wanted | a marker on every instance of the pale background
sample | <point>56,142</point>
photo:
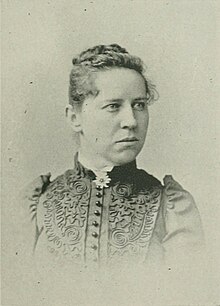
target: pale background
<point>179,42</point>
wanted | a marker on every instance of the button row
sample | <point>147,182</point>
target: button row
<point>97,213</point>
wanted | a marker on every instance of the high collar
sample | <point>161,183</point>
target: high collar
<point>118,173</point>
<point>89,164</point>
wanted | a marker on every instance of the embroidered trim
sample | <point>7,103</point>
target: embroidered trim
<point>131,221</point>
<point>66,209</point>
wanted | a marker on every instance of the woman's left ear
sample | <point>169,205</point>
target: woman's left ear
<point>73,118</point>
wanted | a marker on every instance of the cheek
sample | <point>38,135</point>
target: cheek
<point>96,132</point>
<point>143,124</point>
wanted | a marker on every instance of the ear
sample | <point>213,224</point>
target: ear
<point>73,118</point>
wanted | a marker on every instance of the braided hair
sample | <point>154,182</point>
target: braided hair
<point>99,58</point>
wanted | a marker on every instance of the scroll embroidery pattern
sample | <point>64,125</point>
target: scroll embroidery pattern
<point>66,209</point>
<point>131,221</point>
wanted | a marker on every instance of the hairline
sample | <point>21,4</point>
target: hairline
<point>92,71</point>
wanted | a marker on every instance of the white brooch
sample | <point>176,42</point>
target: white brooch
<point>102,179</point>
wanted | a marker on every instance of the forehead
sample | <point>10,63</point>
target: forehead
<point>120,83</point>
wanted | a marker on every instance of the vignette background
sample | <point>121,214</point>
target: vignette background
<point>178,42</point>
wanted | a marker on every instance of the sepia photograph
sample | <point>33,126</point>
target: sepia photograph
<point>110,153</point>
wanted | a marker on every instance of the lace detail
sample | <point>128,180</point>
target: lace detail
<point>131,221</point>
<point>65,217</point>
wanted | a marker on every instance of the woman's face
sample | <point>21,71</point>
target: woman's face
<point>113,125</point>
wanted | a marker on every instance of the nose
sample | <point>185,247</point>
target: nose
<point>128,119</point>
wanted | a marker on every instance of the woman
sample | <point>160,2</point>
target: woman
<point>105,210</point>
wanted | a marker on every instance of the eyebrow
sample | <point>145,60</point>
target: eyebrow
<point>113,100</point>
<point>140,99</point>
<point>121,100</point>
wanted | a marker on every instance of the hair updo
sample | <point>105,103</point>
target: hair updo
<point>101,58</point>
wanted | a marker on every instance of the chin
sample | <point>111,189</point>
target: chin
<point>124,157</point>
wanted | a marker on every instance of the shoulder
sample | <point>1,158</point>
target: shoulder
<point>60,183</point>
<point>181,215</point>
<point>50,194</point>
<point>31,194</point>
<point>145,179</point>
<point>172,192</point>
<point>177,206</point>
<point>175,196</point>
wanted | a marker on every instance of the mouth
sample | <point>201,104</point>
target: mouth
<point>128,140</point>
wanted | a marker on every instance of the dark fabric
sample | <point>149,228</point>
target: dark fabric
<point>128,173</point>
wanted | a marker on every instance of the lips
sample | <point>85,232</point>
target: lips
<point>128,139</point>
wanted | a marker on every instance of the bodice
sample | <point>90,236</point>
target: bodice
<point>81,222</point>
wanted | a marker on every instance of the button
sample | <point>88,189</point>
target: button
<point>97,213</point>
<point>98,187</point>
<point>98,194</point>
<point>94,247</point>
<point>94,234</point>
<point>95,223</point>
<point>98,203</point>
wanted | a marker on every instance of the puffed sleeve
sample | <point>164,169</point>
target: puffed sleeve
<point>183,239</point>
<point>29,198</point>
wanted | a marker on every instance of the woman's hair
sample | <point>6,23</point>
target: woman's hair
<point>100,58</point>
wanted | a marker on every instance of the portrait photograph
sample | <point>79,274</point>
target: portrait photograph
<point>110,153</point>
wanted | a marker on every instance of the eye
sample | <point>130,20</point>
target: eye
<point>112,107</point>
<point>139,106</point>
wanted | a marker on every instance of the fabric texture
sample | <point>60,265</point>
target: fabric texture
<point>135,219</point>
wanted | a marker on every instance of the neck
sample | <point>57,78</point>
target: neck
<point>95,162</point>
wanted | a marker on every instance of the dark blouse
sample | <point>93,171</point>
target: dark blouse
<point>136,219</point>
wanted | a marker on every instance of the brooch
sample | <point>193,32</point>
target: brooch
<point>102,179</point>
